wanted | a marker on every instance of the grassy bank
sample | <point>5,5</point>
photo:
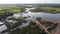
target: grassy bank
<point>6,11</point>
<point>47,9</point>
<point>9,9</point>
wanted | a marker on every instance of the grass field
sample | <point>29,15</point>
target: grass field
<point>47,9</point>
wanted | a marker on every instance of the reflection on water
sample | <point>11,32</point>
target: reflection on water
<point>48,16</point>
<point>3,27</point>
<point>24,24</point>
<point>6,33</point>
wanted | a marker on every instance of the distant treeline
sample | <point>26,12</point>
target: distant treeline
<point>32,5</point>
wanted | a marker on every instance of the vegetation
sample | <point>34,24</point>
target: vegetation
<point>18,23</point>
<point>47,9</point>
<point>31,29</point>
<point>8,11</point>
<point>49,25</point>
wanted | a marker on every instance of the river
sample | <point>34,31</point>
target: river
<point>44,15</point>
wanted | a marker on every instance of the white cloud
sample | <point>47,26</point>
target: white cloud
<point>28,1</point>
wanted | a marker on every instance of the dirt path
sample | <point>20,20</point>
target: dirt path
<point>41,26</point>
<point>58,30</point>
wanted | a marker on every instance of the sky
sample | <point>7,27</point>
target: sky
<point>28,1</point>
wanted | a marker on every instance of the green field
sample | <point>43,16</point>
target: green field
<point>47,9</point>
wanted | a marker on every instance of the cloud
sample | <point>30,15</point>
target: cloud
<point>27,1</point>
